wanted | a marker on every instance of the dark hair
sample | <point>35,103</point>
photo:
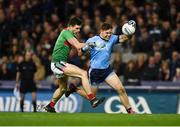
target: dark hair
<point>74,21</point>
<point>106,26</point>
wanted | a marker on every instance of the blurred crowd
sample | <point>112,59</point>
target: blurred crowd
<point>153,53</point>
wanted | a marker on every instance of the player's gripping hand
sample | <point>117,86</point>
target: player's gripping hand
<point>98,44</point>
<point>90,45</point>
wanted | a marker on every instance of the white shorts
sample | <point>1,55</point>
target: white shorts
<point>58,68</point>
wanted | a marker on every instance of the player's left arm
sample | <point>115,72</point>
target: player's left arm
<point>128,30</point>
<point>124,38</point>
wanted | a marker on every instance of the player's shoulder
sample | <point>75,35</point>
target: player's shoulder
<point>93,38</point>
<point>65,31</point>
<point>114,36</point>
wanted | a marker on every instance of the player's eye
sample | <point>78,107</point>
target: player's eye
<point>108,32</point>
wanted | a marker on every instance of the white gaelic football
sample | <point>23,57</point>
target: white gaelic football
<point>129,28</point>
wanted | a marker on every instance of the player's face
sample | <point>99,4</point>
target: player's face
<point>106,34</point>
<point>76,29</point>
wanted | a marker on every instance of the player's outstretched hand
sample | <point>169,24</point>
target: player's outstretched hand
<point>123,38</point>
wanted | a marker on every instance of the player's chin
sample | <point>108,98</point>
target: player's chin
<point>76,32</point>
<point>107,38</point>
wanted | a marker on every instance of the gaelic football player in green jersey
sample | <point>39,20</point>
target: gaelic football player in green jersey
<point>65,42</point>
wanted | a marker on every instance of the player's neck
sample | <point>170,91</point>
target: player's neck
<point>70,29</point>
<point>103,38</point>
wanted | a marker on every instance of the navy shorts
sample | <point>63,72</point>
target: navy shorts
<point>99,75</point>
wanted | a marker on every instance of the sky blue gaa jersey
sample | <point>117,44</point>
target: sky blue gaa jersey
<point>100,57</point>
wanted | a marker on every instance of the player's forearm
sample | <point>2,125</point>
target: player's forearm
<point>80,46</point>
<point>75,43</point>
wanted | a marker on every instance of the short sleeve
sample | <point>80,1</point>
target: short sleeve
<point>115,39</point>
<point>67,34</point>
<point>88,41</point>
<point>93,39</point>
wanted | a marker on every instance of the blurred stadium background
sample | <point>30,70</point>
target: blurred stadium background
<point>148,65</point>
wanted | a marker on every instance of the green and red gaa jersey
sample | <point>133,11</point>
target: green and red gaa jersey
<point>62,47</point>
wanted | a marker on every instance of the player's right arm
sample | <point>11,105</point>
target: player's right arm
<point>68,35</point>
<point>75,43</point>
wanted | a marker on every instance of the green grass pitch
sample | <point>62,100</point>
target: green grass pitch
<point>87,119</point>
